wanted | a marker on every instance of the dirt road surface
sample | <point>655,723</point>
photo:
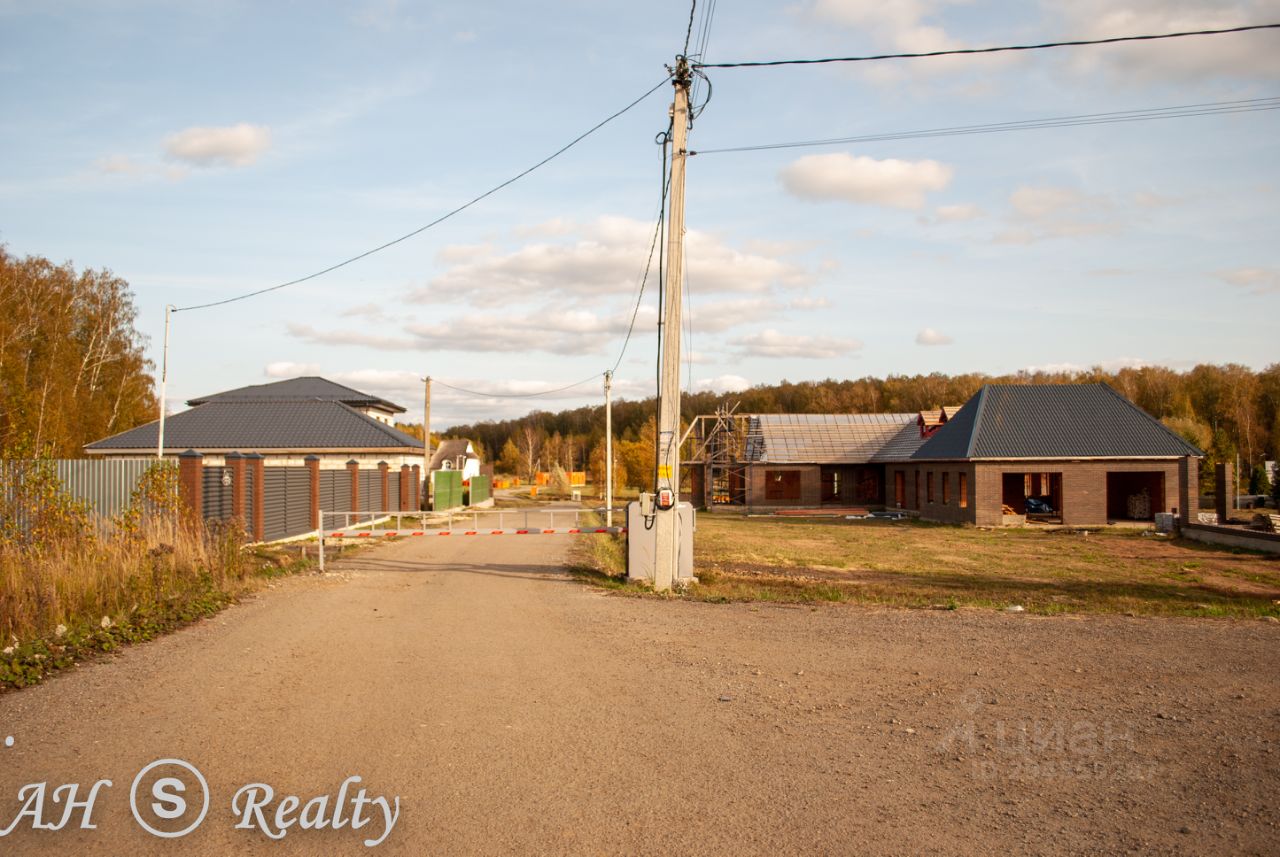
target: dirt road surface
<point>514,711</point>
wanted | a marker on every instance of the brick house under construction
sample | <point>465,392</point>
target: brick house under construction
<point>1069,454</point>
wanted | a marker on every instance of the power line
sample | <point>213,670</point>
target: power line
<point>657,231</point>
<point>963,51</point>
<point>689,30</point>
<point>438,220</point>
<point>1212,108</point>
<point>481,395</point>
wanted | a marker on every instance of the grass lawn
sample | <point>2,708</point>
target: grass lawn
<point>912,564</point>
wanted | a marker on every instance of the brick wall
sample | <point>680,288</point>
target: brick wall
<point>1084,487</point>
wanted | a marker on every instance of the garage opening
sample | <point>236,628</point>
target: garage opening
<point>1036,495</point>
<point>1135,496</point>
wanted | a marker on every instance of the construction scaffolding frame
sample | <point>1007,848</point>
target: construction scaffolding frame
<point>721,450</point>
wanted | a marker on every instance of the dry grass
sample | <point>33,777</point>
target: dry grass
<point>70,586</point>
<point>921,565</point>
<point>926,565</point>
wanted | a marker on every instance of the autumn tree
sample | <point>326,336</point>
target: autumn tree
<point>72,367</point>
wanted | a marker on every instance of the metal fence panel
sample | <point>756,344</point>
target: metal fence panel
<point>370,491</point>
<point>275,489</point>
<point>479,490</point>
<point>298,510</point>
<point>330,498</point>
<point>393,490</point>
<point>446,486</point>
<point>105,486</point>
<point>217,503</point>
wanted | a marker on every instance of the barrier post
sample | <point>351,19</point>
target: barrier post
<point>320,536</point>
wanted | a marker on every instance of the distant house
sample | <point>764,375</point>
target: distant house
<point>284,421</point>
<point>457,454</point>
<point>1074,454</point>
<point>1078,454</point>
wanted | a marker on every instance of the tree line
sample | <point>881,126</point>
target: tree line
<point>1225,410</point>
<point>72,366</point>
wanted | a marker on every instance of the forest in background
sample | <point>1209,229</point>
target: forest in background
<point>72,366</point>
<point>1224,410</point>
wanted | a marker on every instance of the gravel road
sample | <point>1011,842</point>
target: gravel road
<point>514,711</point>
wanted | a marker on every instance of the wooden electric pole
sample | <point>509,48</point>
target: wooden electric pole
<point>666,506</point>
<point>608,448</point>
<point>426,443</point>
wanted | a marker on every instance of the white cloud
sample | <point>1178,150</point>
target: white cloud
<point>1112,365</point>
<point>929,336</point>
<point>1193,60</point>
<point>952,214</point>
<point>844,177</point>
<point>809,303</point>
<point>230,146</point>
<point>722,384</point>
<point>309,334</point>
<point>771,343</point>
<point>1043,212</point>
<point>288,369</point>
<point>1259,281</point>
<point>596,261</point>
<point>371,311</point>
<point>119,165</point>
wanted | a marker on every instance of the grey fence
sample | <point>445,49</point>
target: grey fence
<point>370,491</point>
<point>104,486</point>
<point>286,502</point>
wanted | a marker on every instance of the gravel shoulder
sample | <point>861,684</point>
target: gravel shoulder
<point>513,710</point>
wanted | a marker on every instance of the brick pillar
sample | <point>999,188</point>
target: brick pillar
<point>1223,491</point>
<point>417,487</point>
<point>191,482</point>
<point>383,468</point>
<point>353,467</point>
<point>313,470</point>
<point>405,476</point>
<point>255,463</point>
<point>235,463</point>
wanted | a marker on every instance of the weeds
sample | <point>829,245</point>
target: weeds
<point>71,586</point>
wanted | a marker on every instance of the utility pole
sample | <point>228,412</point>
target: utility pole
<point>608,448</point>
<point>164,378</point>
<point>426,443</point>
<point>666,508</point>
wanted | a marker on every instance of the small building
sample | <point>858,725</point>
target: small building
<point>285,422</point>
<point>1075,454</point>
<point>457,454</point>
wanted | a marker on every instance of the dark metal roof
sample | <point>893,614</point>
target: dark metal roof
<point>1052,421</point>
<point>250,426</point>
<point>310,388</point>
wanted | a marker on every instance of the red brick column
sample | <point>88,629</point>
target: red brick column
<point>235,463</point>
<point>353,467</point>
<point>313,469</point>
<point>383,468</point>
<point>257,463</point>
<point>191,482</point>
<point>417,487</point>
<point>1224,488</point>
<point>405,476</point>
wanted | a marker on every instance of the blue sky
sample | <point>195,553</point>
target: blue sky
<point>204,150</point>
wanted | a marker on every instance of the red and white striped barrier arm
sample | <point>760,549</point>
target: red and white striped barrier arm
<point>531,531</point>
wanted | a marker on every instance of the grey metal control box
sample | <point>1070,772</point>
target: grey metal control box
<point>642,542</point>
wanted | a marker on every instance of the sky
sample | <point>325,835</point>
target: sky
<point>202,151</point>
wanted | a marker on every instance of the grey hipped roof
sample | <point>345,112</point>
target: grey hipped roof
<point>1052,421</point>
<point>260,426</point>
<point>822,438</point>
<point>309,388</point>
<point>450,450</point>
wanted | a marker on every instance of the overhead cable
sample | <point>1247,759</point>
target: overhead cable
<point>1211,108</point>
<point>965,51</point>
<point>438,220</point>
<point>483,395</point>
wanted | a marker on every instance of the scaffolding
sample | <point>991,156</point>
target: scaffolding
<point>722,451</point>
